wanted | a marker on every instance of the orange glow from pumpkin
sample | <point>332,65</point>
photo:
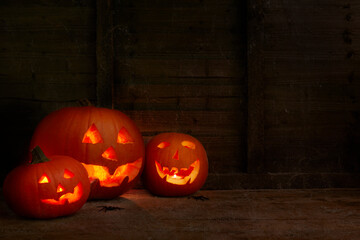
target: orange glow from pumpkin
<point>163,145</point>
<point>60,188</point>
<point>188,144</point>
<point>92,135</point>
<point>176,155</point>
<point>68,174</point>
<point>44,179</point>
<point>110,154</point>
<point>124,136</point>
<point>179,177</point>
<point>101,173</point>
<point>67,197</point>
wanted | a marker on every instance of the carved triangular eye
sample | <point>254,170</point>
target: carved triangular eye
<point>188,144</point>
<point>163,145</point>
<point>68,174</point>
<point>44,179</point>
<point>92,135</point>
<point>124,136</point>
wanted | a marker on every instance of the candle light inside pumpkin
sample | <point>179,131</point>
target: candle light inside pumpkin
<point>175,176</point>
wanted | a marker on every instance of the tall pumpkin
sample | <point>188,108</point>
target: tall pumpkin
<point>106,141</point>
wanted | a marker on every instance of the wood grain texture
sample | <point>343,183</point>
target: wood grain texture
<point>238,214</point>
<point>271,88</point>
<point>181,67</point>
<point>104,54</point>
<point>311,95</point>
<point>256,82</point>
<point>47,61</point>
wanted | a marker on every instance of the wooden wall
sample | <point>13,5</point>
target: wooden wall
<point>271,88</point>
<point>310,88</point>
<point>180,66</point>
<point>47,61</point>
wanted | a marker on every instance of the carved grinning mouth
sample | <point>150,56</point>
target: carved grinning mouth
<point>178,177</point>
<point>130,170</point>
<point>67,197</point>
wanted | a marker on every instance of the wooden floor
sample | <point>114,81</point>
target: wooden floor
<point>240,214</point>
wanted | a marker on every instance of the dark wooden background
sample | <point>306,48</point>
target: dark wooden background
<point>271,88</point>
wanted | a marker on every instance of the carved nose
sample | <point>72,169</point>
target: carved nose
<point>60,188</point>
<point>176,155</point>
<point>109,154</point>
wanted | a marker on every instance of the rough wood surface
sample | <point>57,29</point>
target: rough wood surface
<point>256,84</point>
<point>258,214</point>
<point>312,87</point>
<point>47,61</point>
<point>182,67</point>
<point>104,54</point>
<point>271,88</point>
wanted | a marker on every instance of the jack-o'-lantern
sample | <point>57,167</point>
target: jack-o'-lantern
<point>106,141</point>
<point>47,187</point>
<point>176,165</point>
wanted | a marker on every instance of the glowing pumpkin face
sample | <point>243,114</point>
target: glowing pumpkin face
<point>101,173</point>
<point>47,188</point>
<point>71,195</point>
<point>106,141</point>
<point>176,165</point>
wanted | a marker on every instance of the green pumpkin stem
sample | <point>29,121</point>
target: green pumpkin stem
<point>38,156</point>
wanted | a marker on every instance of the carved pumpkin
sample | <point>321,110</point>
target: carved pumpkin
<point>48,187</point>
<point>106,141</point>
<point>176,165</point>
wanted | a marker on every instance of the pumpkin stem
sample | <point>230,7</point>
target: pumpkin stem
<point>38,156</point>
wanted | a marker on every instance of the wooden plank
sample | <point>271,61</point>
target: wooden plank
<point>159,4</point>
<point>312,91</point>
<point>47,43</point>
<point>39,18</point>
<point>104,54</point>
<point>191,122</point>
<point>178,16</point>
<point>183,80</point>
<point>50,3</point>
<point>212,42</point>
<point>177,103</point>
<point>294,71</point>
<point>340,98</point>
<point>283,118</point>
<point>48,92</point>
<point>47,61</point>
<point>230,181</point>
<point>177,91</point>
<point>181,67</point>
<point>292,214</point>
<point>255,30</point>
<point>160,67</point>
<point>15,66</point>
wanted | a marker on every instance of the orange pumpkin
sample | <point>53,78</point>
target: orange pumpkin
<point>106,141</point>
<point>176,165</point>
<point>47,188</point>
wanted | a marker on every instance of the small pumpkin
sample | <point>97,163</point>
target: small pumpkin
<point>47,187</point>
<point>176,165</point>
<point>106,141</point>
